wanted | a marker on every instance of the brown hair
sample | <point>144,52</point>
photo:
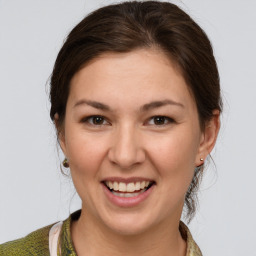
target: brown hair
<point>132,25</point>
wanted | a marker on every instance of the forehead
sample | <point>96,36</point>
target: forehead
<point>134,76</point>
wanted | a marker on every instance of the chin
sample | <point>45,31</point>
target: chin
<point>129,225</point>
<point>129,230</point>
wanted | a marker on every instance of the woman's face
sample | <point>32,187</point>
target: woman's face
<point>133,139</point>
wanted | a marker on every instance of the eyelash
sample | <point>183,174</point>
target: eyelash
<point>167,120</point>
<point>87,120</point>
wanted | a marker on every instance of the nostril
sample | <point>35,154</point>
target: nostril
<point>123,166</point>
<point>126,158</point>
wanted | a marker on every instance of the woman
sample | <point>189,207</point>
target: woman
<point>136,102</point>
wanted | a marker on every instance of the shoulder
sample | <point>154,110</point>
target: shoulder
<point>36,243</point>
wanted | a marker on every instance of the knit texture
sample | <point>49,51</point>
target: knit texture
<point>37,242</point>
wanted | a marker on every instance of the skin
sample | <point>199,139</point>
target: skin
<point>128,142</point>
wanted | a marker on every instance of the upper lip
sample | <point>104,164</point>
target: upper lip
<point>127,180</point>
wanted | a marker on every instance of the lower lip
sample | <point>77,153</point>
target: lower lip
<point>127,201</point>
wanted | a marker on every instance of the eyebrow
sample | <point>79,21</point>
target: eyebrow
<point>157,104</point>
<point>146,107</point>
<point>94,104</point>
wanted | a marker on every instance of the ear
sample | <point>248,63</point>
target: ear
<point>208,138</point>
<point>60,133</point>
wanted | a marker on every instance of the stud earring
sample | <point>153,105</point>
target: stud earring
<point>201,159</point>
<point>65,163</point>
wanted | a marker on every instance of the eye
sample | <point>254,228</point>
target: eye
<point>160,120</point>
<point>95,120</point>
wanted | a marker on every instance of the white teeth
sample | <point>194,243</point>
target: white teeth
<point>122,187</point>
<point>128,194</point>
<point>129,187</point>
<point>110,185</point>
<point>116,186</point>
<point>137,185</point>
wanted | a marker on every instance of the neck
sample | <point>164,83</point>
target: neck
<point>165,239</point>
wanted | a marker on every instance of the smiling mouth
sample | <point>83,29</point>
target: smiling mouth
<point>131,189</point>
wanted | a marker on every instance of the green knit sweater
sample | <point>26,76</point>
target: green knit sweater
<point>37,242</point>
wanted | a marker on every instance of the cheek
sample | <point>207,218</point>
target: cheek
<point>173,151</point>
<point>85,155</point>
<point>174,159</point>
<point>85,152</point>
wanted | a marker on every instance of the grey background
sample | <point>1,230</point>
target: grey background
<point>33,193</point>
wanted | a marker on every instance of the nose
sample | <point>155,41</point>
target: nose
<point>126,149</point>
